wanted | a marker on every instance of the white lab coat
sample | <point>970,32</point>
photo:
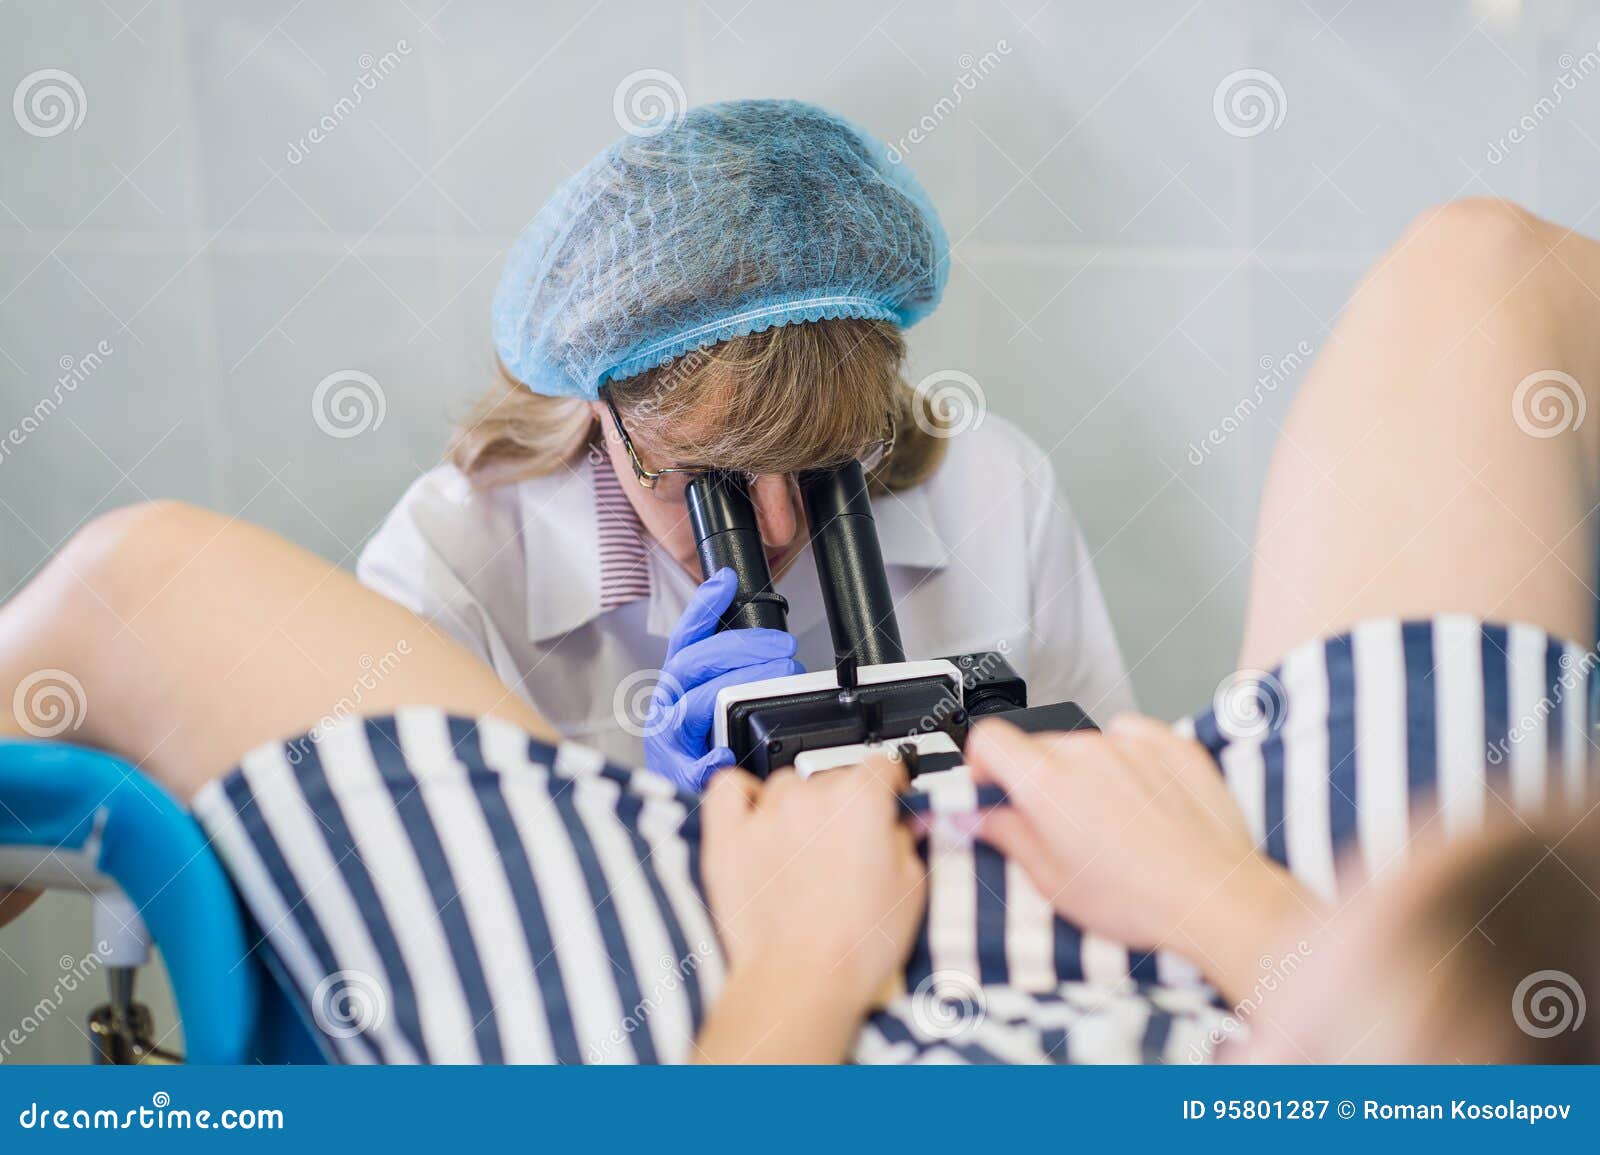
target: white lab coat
<point>986,555</point>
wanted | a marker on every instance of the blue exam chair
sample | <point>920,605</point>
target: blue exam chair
<point>78,819</point>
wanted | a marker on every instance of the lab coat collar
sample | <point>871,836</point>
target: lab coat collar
<point>560,552</point>
<point>563,580</point>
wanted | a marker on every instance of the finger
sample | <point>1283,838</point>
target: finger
<point>877,781</point>
<point>1074,750</point>
<point>779,784</point>
<point>1143,764</point>
<point>725,652</point>
<point>1009,831</point>
<point>698,706</point>
<point>915,870</point>
<point>998,752</point>
<point>700,616</point>
<point>1181,772</point>
<point>1159,753</point>
<point>890,774</point>
<point>1135,723</point>
<point>730,796</point>
<point>1067,742</point>
<point>1155,734</point>
<point>705,768</point>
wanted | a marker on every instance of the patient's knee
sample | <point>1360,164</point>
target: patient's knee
<point>1476,268</point>
<point>1487,241</point>
<point>131,534</point>
<point>1471,219</point>
<point>119,560</point>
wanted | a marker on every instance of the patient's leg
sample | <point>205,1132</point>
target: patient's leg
<point>1407,481</point>
<point>195,637</point>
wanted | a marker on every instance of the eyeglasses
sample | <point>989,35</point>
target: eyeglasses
<point>670,483</point>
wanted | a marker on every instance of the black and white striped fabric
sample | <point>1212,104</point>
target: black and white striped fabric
<point>1367,737</point>
<point>443,889</point>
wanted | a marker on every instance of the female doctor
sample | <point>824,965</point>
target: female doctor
<point>727,291</point>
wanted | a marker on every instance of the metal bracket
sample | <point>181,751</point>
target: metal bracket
<point>122,1032</point>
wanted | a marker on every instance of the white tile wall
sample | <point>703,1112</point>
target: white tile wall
<point>1122,263</point>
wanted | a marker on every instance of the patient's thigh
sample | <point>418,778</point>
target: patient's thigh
<point>1416,474</point>
<point>196,637</point>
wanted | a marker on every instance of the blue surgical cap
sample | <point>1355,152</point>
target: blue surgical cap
<point>737,218</point>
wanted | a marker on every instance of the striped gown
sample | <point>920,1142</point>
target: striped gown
<point>443,889</point>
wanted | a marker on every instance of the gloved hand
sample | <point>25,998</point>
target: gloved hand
<point>700,662</point>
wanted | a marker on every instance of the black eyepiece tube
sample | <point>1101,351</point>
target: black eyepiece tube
<point>726,537</point>
<point>855,588</point>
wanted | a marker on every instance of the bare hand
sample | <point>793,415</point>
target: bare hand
<point>1132,833</point>
<point>817,877</point>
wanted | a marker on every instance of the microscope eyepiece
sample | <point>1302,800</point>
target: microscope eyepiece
<point>844,544</point>
<point>727,537</point>
<point>855,587</point>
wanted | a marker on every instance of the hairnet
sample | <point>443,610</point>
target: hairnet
<point>737,218</point>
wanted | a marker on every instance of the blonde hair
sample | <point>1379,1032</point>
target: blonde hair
<point>786,399</point>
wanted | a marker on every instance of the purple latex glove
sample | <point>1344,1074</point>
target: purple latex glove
<point>700,662</point>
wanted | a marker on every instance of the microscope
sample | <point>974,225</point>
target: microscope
<point>873,700</point>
